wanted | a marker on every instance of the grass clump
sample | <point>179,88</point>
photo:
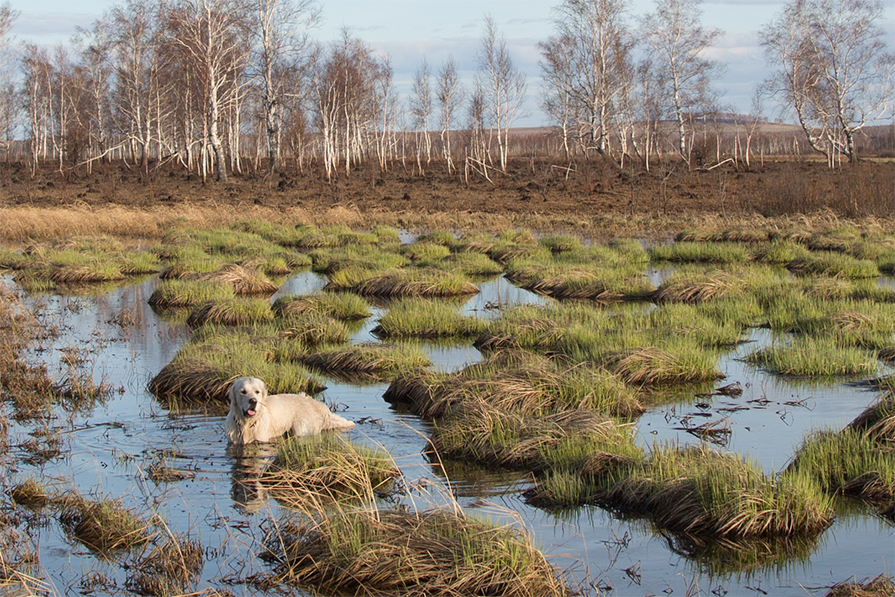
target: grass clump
<point>30,493</point>
<point>415,318</point>
<point>244,281</point>
<point>880,586</point>
<point>310,473</point>
<point>814,357</point>
<point>698,491</point>
<point>858,461</point>
<point>309,330</point>
<point>479,432</point>
<point>367,361</point>
<point>518,382</point>
<point>426,282</point>
<point>561,243</point>
<point>234,311</point>
<point>103,525</point>
<point>698,252</point>
<point>169,568</point>
<point>338,305</point>
<point>177,294</point>
<point>690,287</point>
<point>436,552</point>
<point>835,265</point>
<point>203,370</point>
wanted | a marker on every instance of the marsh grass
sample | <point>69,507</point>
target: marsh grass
<point>652,366</point>
<point>476,265</point>
<point>436,553</point>
<point>338,305</point>
<point>244,281</point>
<point>426,282</point>
<point>169,568</point>
<point>847,462</point>
<point>424,251</point>
<point>835,265</point>
<point>416,318</point>
<point>30,493</point>
<point>231,312</point>
<point>701,492</point>
<point>352,259</point>
<point>808,356</point>
<point>780,252</point>
<point>881,586</point>
<point>178,294</point>
<point>699,252</point>
<point>561,243</point>
<point>690,287</point>
<point>479,432</point>
<point>309,474</point>
<point>515,381</point>
<point>368,361</point>
<point>103,525</point>
<point>308,330</point>
<point>204,369</point>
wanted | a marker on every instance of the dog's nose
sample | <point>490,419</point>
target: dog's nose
<point>253,403</point>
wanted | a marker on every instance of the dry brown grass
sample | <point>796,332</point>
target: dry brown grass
<point>881,586</point>
<point>191,381</point>
<point>696,289</point>
<point>244,281</point>
<point>168,569</point>
<point>103,525</point>
<point>431,553</point>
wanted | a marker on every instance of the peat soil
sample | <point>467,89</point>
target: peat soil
<point>583,189</point>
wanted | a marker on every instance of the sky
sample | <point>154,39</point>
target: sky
<point>410,30</point>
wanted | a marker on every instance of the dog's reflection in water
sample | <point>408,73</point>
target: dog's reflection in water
<point>249,462</point>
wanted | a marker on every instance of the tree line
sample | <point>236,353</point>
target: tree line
<point>213,84</point>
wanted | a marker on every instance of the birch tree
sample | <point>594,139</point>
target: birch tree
<point>280,51</point>
<point>213,34</point>
<point>8,104</point>
<point>449,94</point>
<point>834,69</point>
<point>502,84</point>
<point>677,41</point>
<point>420,112</point>
<point>590,55</point>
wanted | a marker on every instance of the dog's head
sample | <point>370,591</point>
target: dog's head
<point>247,395</point>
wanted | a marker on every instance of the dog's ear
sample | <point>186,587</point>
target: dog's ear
<point>232,392</point>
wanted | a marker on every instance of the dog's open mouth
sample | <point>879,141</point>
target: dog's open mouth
<point>250,412</point>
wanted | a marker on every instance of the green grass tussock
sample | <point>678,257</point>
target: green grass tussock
<point>416,318</point>
<point>368,361</point>
<point>814,357</point>
<point>338,305</point>
<point>435,553</point>
<point>425,282</point>
<point>232,312</point>
<point>697,252</point>
<point>310,473</point>
<point>178,294</point>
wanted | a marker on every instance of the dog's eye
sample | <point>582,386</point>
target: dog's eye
<point>243,391</point>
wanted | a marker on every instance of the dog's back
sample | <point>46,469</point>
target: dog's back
<point>305,415</point>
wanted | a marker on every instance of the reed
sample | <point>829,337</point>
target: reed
<point>836,265</point>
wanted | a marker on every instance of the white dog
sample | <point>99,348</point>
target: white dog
<point>256,417</point>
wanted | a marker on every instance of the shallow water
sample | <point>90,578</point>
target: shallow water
<point>110,449</point>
